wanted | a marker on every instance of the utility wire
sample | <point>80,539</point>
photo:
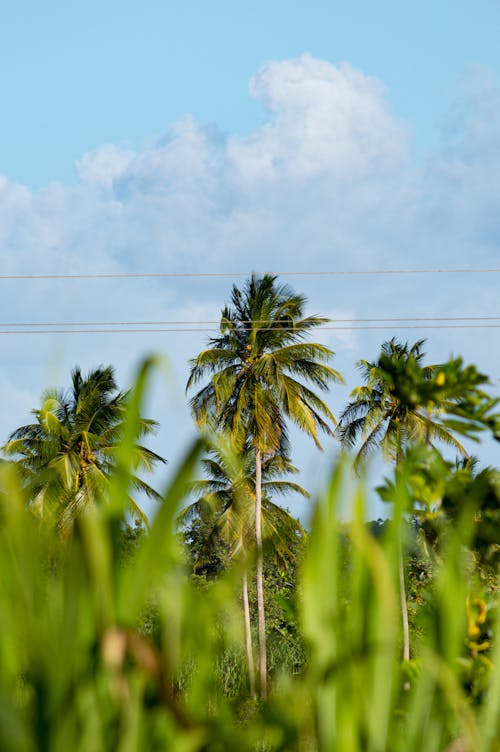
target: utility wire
<point>325,273</point>
<point>252,324</point>
<point>265,329</point>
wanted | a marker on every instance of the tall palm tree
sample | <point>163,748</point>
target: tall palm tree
<point>403,402</point>
<point>66,456</point>
<point>225,503</point>
<point>390,409</point>
<point>259,368</point>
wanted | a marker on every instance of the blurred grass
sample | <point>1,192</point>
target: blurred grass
<point>104,652</point>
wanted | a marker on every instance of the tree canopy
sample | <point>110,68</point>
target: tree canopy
<point>66,457</point>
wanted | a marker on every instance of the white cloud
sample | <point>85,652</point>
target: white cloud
<point>326,182</point>
<point>104,165</point>
<point>323,119</point>
<point>463,178</point>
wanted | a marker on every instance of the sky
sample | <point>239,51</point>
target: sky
<point>226,137</point>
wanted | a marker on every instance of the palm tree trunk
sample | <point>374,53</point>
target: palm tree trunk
<point>404,606</point>
<point>402,584</point>
<point>260,577</point>
<point>248,633</point>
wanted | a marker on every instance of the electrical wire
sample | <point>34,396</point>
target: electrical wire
<point>177,275</point>
<point>208,330</point>
<point>252,324</point>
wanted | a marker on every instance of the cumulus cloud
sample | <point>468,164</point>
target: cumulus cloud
<point>326,182</point>
<point>463,178</point>
<point>329,152</point>
<point>104,165</point>
<point>323,119</point>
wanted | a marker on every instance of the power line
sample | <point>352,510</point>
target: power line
<point>208,330</point>
<point>177,275</point>
<point>216,324</point>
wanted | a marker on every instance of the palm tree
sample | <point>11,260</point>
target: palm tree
<point>403,402</point>
<point>391,408</point>
<point>66,457</point>
<point>225,503</point>
<point>258,370</point>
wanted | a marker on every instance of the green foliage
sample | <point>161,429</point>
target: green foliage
<point>403,402</point>
<point>440,493</point>
<point>78,671</point>
<point>66,457</point>
<point>223,514</point>
<point>260,375</point>
<point>286,649</point>
<point>259,367</point>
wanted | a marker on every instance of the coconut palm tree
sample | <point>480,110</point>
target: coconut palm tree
<point>225,503</point>
<point>259,370</point>
<point>391,408</point>
<point>66,456</point>
<point>403,402</point>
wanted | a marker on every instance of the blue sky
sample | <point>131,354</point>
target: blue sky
<point>228,137</point>
<point>77,75</point>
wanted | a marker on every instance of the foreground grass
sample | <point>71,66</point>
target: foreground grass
<point>80,671</point>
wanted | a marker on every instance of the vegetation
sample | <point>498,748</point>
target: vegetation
<point>224,512</point>
<point>403,403</point>
<point>65,459</point>
<point>118,636</point>
<point>258,366</point>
